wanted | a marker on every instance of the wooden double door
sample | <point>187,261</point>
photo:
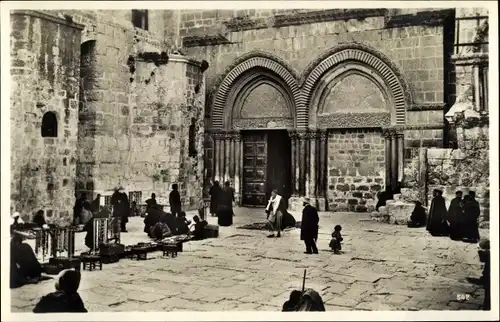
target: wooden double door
<point>266,166</point>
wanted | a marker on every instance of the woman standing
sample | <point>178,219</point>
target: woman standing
<point>225,205</point>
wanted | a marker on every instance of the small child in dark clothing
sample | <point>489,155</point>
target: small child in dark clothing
<point>336,239</point>
<point>66,298</point>
<point>294,300</point>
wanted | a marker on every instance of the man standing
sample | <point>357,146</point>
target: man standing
<point>175,200</point>
<point>455,216</point>
<point>436,223</point>
<point>309,227</point>
<point>472,211</point>
<point>275,209</point>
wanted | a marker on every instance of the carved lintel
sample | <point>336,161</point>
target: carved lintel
<point>471,59</point>
<point>205,40</point>
<point>292,19</point>
<point>246,23</point>
<point>424,18</point>
<point>426,107</point>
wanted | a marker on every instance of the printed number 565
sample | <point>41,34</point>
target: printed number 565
<point>463,297</point>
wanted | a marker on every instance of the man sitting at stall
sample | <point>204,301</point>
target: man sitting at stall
<point>24,266</point>
<point>161,229</point>
<point>199,228</point>
<point>182,224</point>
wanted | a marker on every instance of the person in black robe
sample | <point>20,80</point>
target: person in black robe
<point>199,228</point>
<point>96,204</point>
<point>293,301</point>
<point>161,230</point>
<point>456,216</point>
<point>336,241</point>
<point>182,224</point>
<point>472,211</point>
<point>436,223</point>
<point>418,216</point>
<point>225,205</point>
<point>24,266</point>
<point>39,218</point>
<point>78,207</point>
<point>121,208</point>
<point>151,202</point>
<point>311,301</point>
<point>214,197</point>
<point>309,227</point>
<point>174,199</point>
<point>383,197</point>
<point>66,298</point>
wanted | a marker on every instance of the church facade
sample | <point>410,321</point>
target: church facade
<point>327,104</point>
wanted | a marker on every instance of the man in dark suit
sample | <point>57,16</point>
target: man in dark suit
<point>309,227</point>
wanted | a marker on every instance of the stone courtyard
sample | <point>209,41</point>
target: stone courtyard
<point>383,267</point>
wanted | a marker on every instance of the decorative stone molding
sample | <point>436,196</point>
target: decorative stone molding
<point>470,59</point>
<point>435,126</point>
<point>425,18</point>
<point>470,120</point>
<point>302,134</point>
<point>206,40</point>
<point>66,21</point>
<point>354,120</point>
<point>300,18</point>
<point>426,107</point>
<point>262,123</point>
<point>241,65</point>
<point>354,51</point>
<point>246,23</point>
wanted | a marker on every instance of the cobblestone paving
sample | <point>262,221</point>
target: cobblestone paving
<point>383,267</point>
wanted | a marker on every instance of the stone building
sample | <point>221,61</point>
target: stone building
<point>329,104</point>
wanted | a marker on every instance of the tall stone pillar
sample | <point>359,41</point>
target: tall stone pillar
<point>400,142</point>
<point>302,162</point>
<point>217,156</point>
<point>227,160</point>
<point>294,164</point>
<point>307,169</point>
<point>394,160</point>
<point>388,168</point>
<point>312,166</point>
<point>322,171</point>
<point>238,161</point>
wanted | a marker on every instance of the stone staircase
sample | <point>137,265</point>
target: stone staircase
<point>397,211</point>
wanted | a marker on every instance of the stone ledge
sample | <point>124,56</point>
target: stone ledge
<point>45,16</point>
<point>206,40</point>
<point>431,106</point>
<point>425,18</point>
<point>246,23</point>
<point>301,18</point>
<point>470,59</point>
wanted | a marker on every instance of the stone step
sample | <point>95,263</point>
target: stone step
<point>399,212</point>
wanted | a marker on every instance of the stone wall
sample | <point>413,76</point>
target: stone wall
<point>45,68</point>
<point>356,169</point>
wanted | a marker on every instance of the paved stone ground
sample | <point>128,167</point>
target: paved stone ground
<point>383,267</point>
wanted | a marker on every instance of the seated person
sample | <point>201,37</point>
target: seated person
<point>24,266</point>
<point>418,216</point>
<point>311,301</point>
<point>152,218</point>
<point>199,228</point>
<point>294,300</point>
<point>182,224</point>
<point>66,298</point>
<point>17,222</point>
<point>89,227</point>
<point>39,218</point>
<point>161,230</point>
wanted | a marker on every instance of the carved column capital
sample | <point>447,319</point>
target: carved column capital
<point>323,135</point>
<point>219,135</point>
<point>302,134</point>
<point>237,136</point>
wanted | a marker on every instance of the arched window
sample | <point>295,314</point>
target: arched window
<point>192,138</point>
<point>49,125</point>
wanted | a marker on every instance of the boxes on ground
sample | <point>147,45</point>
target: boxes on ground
<point>211,231</point>
<point>57,264</point>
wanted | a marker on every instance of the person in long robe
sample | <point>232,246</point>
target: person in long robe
<point>309,227</point>
<point>121,208</point>
<point>199,228</point>
<point>225,205</point>
<point>96,204</point>
<point>214,197</point>
<point>24,266</point>
<point>472,211</point>
<point>456,216</point>
<point>275,210</point>
<point>77,208</point>
<point>174,199</point>
<point>311,301</point>
<point>418,216</point>
<point>383,197</point>
<point>436,223</point>
<point>39,218</point>
<point>66,298</point>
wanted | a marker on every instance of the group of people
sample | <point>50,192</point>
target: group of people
<point>221,203</point>
<point>459,221</point>
<point>159,224</point>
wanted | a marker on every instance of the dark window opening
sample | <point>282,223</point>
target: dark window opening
<point>483,83</point>
<point>192,138</point>
<point>140,19</point>
<point>49,125</point>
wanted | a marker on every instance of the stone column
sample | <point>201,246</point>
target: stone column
<point>294,165</point>
<point>312,165</point>
<point>238,156</point>
<point>232,157</point>
<point>388,168</point>
<point>227,160</point>
<point>400,143</point>
<point>477,88</point>
<point>302,162</point>
<point>422,176</point>
<point>217,159</point>
<point>394,160</point>
<point>322,170</point>
<point>307,169</point>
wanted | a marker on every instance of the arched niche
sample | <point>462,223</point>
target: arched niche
<point>245,71</point>
<point>258,98</point>
<point>49,127</point>
<point>351,95</point>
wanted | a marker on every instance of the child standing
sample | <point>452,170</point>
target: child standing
<point>336,239</point>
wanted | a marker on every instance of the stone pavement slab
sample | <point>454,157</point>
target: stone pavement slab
<point>382,267</point>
